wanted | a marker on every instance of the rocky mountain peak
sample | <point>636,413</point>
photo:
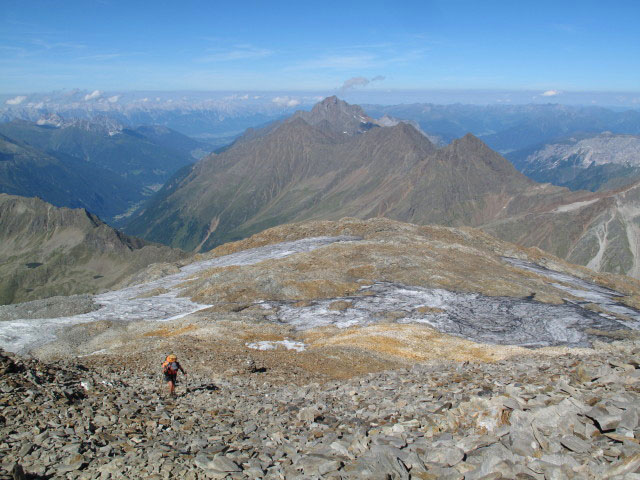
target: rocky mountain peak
<point>343,117</point>
<point>334,104</point>
<point>470,140</point>
<point>471,147</point>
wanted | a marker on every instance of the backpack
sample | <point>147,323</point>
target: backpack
<point>170,368</point>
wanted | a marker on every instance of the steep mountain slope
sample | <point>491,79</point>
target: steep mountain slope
<point>143,158</point>
<point>46,251</point>
<point>295,171</point>
<point>63,180</point>
<point>583,161</point>
<point>601,231</point>
<point>309,168</point>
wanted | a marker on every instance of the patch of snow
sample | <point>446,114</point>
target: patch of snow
<point>586,292</point>
<point>97,352</point>
<point>570,207</point>
<point>273,345</point>
<point>601,234</point>
<point>497,320</point>
<point>125,305</point>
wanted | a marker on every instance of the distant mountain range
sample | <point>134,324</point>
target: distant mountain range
<point>47,251</point>
<point>218,117</point>
<point>99,165</point>
<point>584,161</point>
<point>213,118</point>
<point>507,128</point>
<point>339,160</point>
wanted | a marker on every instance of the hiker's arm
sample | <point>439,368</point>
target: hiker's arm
<point>181,369</point>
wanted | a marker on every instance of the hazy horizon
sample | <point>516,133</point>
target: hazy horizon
<point>437,51</point>
<point>295,98</point>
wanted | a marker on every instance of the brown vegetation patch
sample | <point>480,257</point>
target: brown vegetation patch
<point>321,288</point>
<point>340,305</point>
<point>409,342</point>
<point>153,293</point>
<point>169,332</point>
<point>429,310</point>
<point>617,334</point>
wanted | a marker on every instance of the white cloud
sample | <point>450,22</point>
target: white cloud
<point>114,99</point>
<point>16,100</point>
<point>550,93</point>
<point>286,101</point>
<point>93,95</point>
<point>354,82</point>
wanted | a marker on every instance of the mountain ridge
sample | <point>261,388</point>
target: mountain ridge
<point>47,251</point>
<point>294,171</point>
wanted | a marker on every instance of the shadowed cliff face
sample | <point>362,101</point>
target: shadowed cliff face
<point>46,251</point>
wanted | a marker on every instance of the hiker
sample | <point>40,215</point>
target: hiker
<point>170,369</point>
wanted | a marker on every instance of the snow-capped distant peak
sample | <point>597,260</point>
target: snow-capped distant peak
<point>99,124</point>
<point>51,119</point>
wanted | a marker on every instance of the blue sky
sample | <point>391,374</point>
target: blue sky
<point>558,46</point>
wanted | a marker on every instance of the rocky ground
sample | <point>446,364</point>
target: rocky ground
<point>51,307</point>
<point>573,415</point>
